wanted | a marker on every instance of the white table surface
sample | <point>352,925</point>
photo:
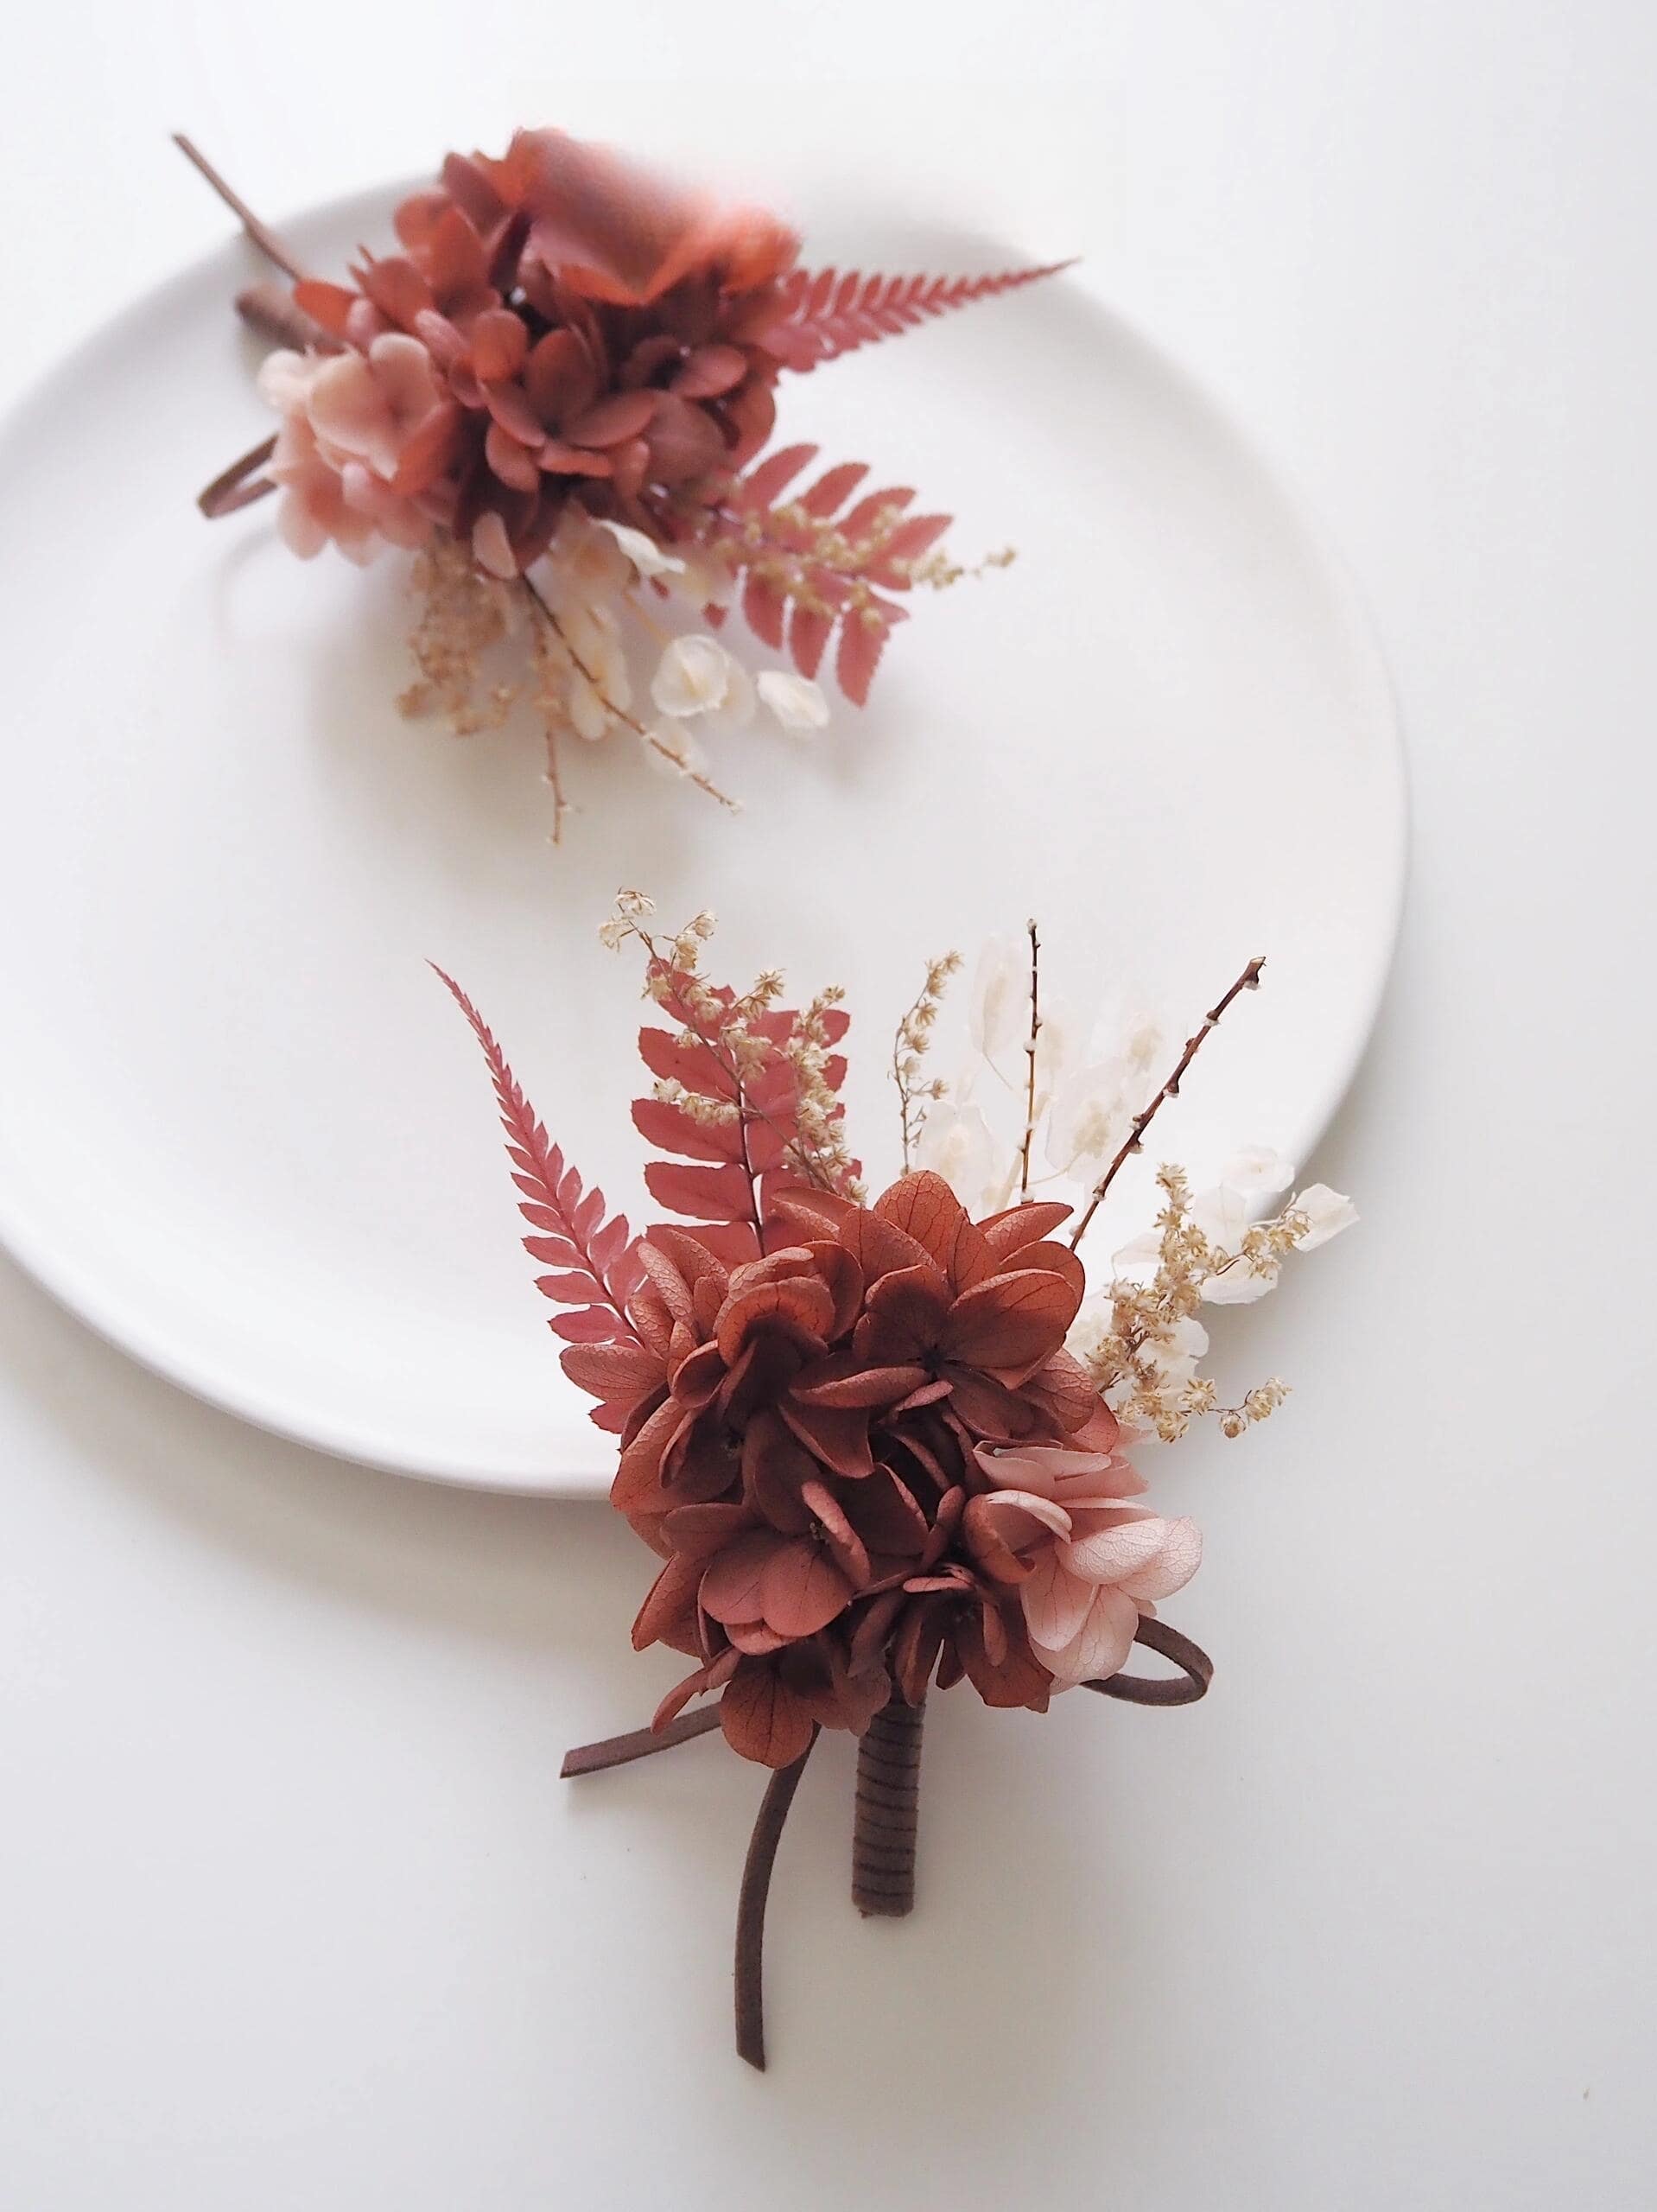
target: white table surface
<point>293,1909</point>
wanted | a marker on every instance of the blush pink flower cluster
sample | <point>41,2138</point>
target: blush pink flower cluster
<point>1088,1564</point>
<point>348,420</point>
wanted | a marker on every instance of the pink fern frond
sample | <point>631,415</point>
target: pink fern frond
<point>814,569</point>
<point>597,1268</point>
<point>824,313</point>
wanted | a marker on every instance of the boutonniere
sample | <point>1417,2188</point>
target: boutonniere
<point>886,1447</point>
<point>558,393</point>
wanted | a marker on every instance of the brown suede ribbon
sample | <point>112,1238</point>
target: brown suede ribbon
<point>884,1824</point>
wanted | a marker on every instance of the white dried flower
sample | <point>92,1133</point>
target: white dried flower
<point>646,555</point>
<point>1326,1212</point>
<point>958,1143</point>
<point>694,676</point>
<point>1239,1284</point>
<point>797,702</point>
<point>1089,1119</point>
<point>1257,1172</point>
<point>999,1012</point>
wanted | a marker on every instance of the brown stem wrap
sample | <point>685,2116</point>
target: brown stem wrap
<point>887,1812</point>
<point>239,485</point>
<point>270,310</point>
<point>1196,1671</point>
<point>637,1744</point>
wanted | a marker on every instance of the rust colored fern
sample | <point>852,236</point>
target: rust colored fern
<point>821,566</point>
<point>597,1268</point>
<point>727,1174</point>
<point>827,312</point>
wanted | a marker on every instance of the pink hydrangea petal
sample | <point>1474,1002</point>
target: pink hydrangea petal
<point>299,526</point>
<point>1042,1468</point>
<point>1024,1516</point>
<point>346,407</point>
<point>403,370</point>
<point>1101,1646</point>
<point>284,380</point>
<point>1180,1556</point>
<point>1126,1542</point>
<point>1054,1602</point>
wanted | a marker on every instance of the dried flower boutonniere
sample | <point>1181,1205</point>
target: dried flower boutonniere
<point>883,1446</point>
<point>557,393</point>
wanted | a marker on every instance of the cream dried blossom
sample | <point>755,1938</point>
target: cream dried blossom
<point>697,676</point>
<point>957,1143</point>
<point>796,702</point>
<point>651,561</point>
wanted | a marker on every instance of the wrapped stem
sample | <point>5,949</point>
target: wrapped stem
<point>887,1814</point>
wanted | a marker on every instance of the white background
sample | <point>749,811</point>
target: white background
<point>293,1908</point>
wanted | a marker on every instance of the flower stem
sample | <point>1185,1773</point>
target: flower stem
<point>751,1907</point>
<point>621,714</point>
<point>272,247</point>
<point>1249,981</point>
<point>1030,1051</point>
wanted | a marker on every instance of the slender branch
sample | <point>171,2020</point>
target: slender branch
<point>1249,981</point>
<point>556,782</point>
<point>1029,1052</point>
<point>270,244</point>
<point>751,1907</point>
<point>621,714</point>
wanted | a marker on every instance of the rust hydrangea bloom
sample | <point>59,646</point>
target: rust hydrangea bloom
<point>598,333</point>
<point>802,1447</point>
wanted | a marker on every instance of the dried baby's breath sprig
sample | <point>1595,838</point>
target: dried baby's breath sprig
<point>937,571</point>
<point>461,614</point>
<point>910,1045</point>
<point>1144,1359</point>
<point>1249,981</point>
<point>820,1149</point>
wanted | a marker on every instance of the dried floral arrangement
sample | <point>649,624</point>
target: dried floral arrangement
<point>558,394</point>
<point>883,1446</point>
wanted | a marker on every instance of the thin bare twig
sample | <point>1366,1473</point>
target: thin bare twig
<point>1030,1051</point>
<point>270,244</point>
<point>632,722</point>
<point>1249,981</point>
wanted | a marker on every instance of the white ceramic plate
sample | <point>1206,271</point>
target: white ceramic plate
<point>241,1130</point>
